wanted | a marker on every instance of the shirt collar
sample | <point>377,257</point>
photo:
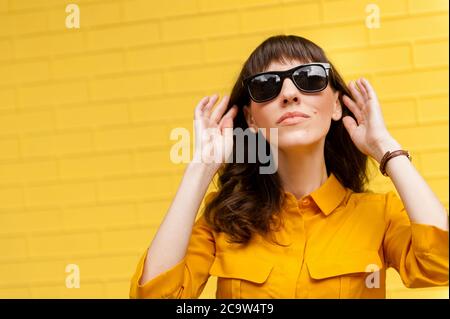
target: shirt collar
<point>327,197</point>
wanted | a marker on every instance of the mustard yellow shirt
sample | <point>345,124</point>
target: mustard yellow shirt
<point>338,245</point>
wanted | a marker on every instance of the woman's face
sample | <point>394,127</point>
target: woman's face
<point>321,107</point>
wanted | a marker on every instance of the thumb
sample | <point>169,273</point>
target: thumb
<point>227,123</point>
<point>349,123</point>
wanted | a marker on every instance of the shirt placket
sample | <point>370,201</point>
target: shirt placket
<point>305,211</point>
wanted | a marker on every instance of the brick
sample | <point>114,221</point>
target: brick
<point>154,161</point>
<point>123,36</point>
<point>419,6</point>
<point>422,138</point>
<point>91,115</point>
<point>27,122</point>
<point>88,290</point>
<point>39,120</point>
<point>7,99</point>
<point>152,213</point>
<point>134,137</point>
<point>48,44</point>
<point>97,14</point>
<point>95,165</point>
<point>87,65</point>
<point>47,270</point>
<point>408,83</point>
<point>411,28</point>
<point>434,163</point>
<point>53,291</point>
<point>13,247</point>
<point>126,240</point>
<point>6,51</point>
<point>61,193</point>
<point>419,293</point>
<point>53,94</point>
<point>201,26</point>
<point>15,293</point>
<point>24,172</point>
<point>211,78</point>
<point>29,221</point>
<point>6,70</point>
<point>207,5</point>
<point>99,216</point>
<point>6,25</point>
<point>165,107</point>
<point>55,144</point>
<point>355,10</point>
<point>9,123</point>
<point>134,187</point>
<point>235,48</point>
<point>164,56</point>
<point>4,6</point>
<point>27,22</point>
<point>105,267</point>
<point>138,9</point>
<point>57,19</point>
<point>67,244</point>
<point>433,108</point>
<point>439,185</point>
<point>373,59</point>
<point>401,112</point>
<point>17,5</point>
<point>9,148</point>
<point>276,17</point>
<point>343,36</point>
<point>118,289</point>
<point>127,86</point>
<point>431,53</point>
<point>30,72</point>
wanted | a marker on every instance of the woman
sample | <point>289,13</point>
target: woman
<point>311,229</point>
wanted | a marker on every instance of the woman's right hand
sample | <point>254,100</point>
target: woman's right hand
<point>213,131</point>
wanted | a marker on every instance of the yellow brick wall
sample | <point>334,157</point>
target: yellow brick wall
<point>85,116</point>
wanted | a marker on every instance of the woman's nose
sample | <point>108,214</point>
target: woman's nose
<point>289,92</point>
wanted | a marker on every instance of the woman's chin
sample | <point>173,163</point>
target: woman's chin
<point>297,142</point>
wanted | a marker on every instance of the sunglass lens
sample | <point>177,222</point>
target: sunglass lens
<point>311,78</point>
<point>264,86</point>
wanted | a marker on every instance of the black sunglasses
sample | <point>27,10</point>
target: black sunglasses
<point>309,78</point>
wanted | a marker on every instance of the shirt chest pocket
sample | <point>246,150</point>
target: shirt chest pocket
<point>240,275</point>
<point>350,275</point>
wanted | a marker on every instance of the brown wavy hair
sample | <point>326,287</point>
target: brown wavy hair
<point>248,202</point>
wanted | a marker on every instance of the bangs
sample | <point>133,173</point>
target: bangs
<point>283,49</point>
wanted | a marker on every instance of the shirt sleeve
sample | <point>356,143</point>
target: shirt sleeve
<point>188,277</point>
<point>418,252</point>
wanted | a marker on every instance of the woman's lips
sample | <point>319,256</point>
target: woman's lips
<point>291,118</point>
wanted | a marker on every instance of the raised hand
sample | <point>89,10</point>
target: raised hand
<point>213,131</point>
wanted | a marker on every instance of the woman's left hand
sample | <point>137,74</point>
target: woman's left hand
<point>369,133</point>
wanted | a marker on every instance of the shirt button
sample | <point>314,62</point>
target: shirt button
<point>305,202</point>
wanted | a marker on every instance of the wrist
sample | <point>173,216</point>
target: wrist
<point>384,146</point>
<point>201,170</point>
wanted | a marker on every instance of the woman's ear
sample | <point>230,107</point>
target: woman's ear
<point>249,119</point>
<point>337,107</point>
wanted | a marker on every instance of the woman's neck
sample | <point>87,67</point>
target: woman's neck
<point>302,170</point>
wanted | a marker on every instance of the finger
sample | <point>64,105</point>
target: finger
<point>362,89</point>
<point>370,91</point>
<point>208,107</point>
<point>356,94</point>
<point>353,108</point>
<point>230,115</point>
<point>220,109</point>
<point>349,124</point>
<point>200,106</point>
